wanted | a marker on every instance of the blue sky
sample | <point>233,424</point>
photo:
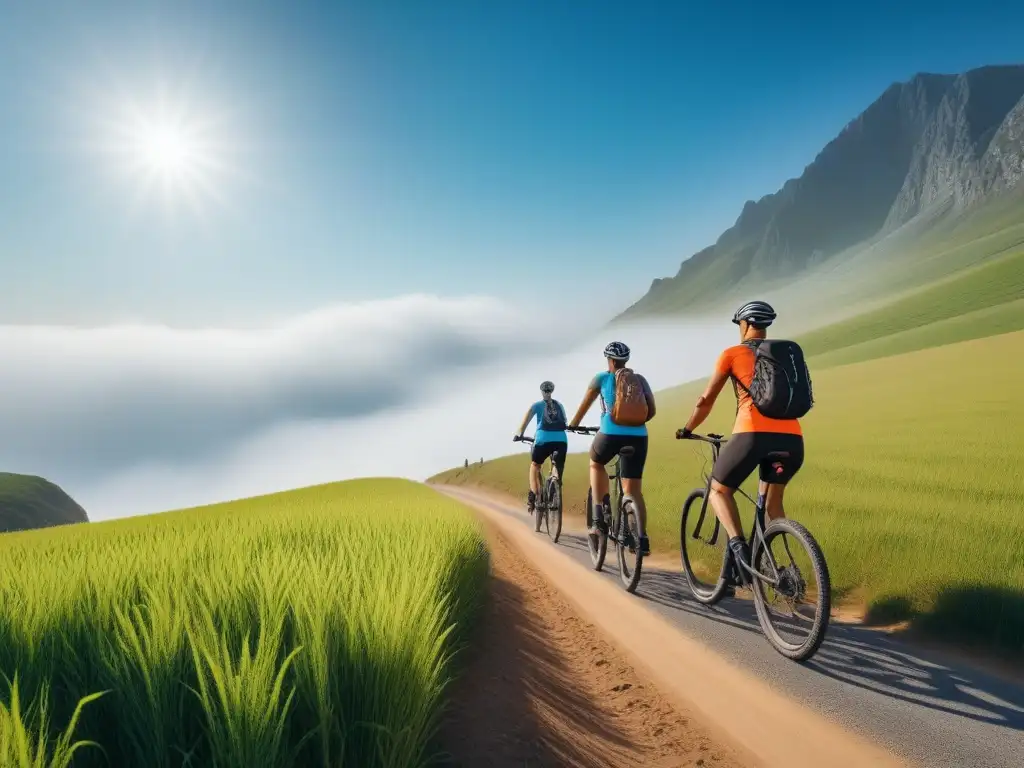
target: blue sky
<point>521,150</point>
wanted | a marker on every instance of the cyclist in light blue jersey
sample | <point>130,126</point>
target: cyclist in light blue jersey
<point>550,437</point>
<point>613,437</point>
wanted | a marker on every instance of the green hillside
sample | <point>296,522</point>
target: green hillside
<point>911,482</point>
<point>27,502</point>
<point>982,298</point>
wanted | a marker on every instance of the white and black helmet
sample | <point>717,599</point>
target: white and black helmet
<point>617,351</point>
<point>758,313</point>
<point>547,387</point>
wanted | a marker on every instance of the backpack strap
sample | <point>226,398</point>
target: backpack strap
<point>751,344</point>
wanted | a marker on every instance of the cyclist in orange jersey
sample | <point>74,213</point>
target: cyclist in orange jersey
<point>754,435</point>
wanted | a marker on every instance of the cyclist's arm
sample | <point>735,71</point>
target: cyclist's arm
<point>649,396</point>
<point>707,401</point>
<point>526,420</point>
<point>588,400</point>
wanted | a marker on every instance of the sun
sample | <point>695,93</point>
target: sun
<point>168,148</point>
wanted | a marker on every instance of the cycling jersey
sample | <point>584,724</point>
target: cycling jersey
<point>604,383</point>
<point>546,436</point>
<point>738,361</point>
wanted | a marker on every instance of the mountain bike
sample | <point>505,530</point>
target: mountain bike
<point>623,527</point>
<point>547,508</point>
<point>698,556</point>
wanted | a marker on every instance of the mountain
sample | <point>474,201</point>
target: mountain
<point>933,147</point>
<point>27,501</point>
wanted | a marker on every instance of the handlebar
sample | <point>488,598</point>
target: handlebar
<point>584,430</point>
<point>709,438</point>
<point>522,439</point>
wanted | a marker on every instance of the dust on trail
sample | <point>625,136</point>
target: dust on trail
<point>542,687</point>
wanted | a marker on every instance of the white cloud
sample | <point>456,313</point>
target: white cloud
<point>135,419</point>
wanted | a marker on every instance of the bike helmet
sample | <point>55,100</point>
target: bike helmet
<point>617,351</point>
<point>547,387</point>
<point>758,313</point>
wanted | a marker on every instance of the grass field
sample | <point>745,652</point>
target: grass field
<point>912,483</point>
<point>313,628</point>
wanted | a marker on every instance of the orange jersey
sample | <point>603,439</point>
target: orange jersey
<point>738,361</point>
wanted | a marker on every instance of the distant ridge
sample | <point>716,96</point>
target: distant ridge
<point>27,502</point>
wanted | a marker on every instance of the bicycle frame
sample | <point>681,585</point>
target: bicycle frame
<point>760,513</point>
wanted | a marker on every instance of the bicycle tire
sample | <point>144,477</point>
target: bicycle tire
<point>628,522</point>
<point>554,515</point>
<point>823,604</point>
<point>538,510</point>
<point>596,543</point>
<point>704,593</point>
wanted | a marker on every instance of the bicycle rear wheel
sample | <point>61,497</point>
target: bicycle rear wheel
<point>597,543</point>
<point>554,512</point>
<point>629,537</point>
<point>704,562</point>
<point>797,629</point>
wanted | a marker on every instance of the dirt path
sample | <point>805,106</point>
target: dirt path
<point>542,687</point>
<point>762,724</point>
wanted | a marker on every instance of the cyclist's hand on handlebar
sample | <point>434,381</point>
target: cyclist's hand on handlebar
<point>683,434</point>
<point>517,438</point>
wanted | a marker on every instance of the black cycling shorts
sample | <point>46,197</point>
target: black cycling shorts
<point>746,451</point>
<point>606,447</point>
<point>540,454</point>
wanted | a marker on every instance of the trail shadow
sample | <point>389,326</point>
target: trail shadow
<point>983,616</point>
<point>868,658</point>
<point>516,703</point>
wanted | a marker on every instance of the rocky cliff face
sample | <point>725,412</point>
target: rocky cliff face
<point>950,140</point>
<point>957,159</point>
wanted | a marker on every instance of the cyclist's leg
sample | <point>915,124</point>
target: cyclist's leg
<point>632,469</point>
<point>735,463</point>
<point>777,471</point>
<point>560,450</point>
<point>537,457</point>
<point>737,460</point>
<point>602,450</point>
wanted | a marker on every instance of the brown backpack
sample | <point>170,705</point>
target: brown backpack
<point>630,406</point>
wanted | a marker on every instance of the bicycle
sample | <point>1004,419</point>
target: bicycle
<point>623,527</point>
<point>549,500</point>
<point>764,570</point>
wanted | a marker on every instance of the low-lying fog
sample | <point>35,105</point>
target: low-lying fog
<point>136,419</point>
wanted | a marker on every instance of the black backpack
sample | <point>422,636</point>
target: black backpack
<point>781,387</point>
<point>553,417</point>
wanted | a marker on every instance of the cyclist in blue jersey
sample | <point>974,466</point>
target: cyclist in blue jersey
<point>550,437</point>
<point>612,438</point>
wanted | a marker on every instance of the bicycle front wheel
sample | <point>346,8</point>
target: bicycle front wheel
<point>631,556</point>
<point>793,611</point>
<point>597,543</point>
<point>702,550</point>
<point>554,515</point>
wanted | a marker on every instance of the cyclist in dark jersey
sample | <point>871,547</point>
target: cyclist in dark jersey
<point>754,435</point>
<point>550,437</point>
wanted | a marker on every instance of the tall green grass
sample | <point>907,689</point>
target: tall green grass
<point>912,483</point>
<point>314,628</point>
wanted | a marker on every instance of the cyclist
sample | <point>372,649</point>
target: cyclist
<point>550,437</point>
<point>754,435</point>
<point>614,437</point>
